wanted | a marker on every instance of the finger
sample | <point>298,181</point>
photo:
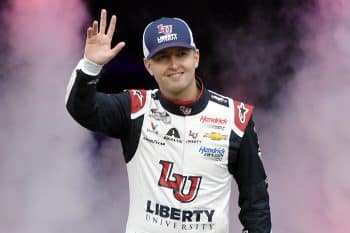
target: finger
<point>111,28</point>
<point>95,27</point>
<point>89,32</point>
<point>103,21</point>
<point>118,48</point>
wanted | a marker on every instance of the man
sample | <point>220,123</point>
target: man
<point>182,144</point>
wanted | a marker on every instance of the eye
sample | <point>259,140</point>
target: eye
<point>160,56</point>
<point>182,53</point>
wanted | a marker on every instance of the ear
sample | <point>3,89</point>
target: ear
<point>196,58</point>
<point>147,64</point>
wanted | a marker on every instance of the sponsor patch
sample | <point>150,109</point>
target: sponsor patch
<point>154,141</point>
<point>160,116</point>
<point>185,110</point>
<point>215,136</point>
<point>243,113</point>
<point>173,135</point>
<point>216,127</point>
<point>213,120</point>
<point>193,134</point>
<point>216,153</point>
<point>166,31</point>
<point>138,99</point>
<point>153,127</point>
<point>219,99</point>
<point>180,220</point>
<point>177,182</point>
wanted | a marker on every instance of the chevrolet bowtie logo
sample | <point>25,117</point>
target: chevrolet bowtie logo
<point>215,136</point>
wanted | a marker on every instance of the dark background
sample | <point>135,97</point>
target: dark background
<point>253,45</point>
<point>247,45</point>
<point>267,22</point>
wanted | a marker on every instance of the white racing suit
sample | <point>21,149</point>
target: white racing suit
<point>180,157</point>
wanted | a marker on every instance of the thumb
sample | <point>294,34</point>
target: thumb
<point>118,48</point>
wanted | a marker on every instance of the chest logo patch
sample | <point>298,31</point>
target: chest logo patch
<point>215,136</point>
<point>178,183</point>
<point>160,116</point>
<point>173,135</point>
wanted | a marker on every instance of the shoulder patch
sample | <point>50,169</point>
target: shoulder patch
<point>219,99</point>
<point>138,99</point>
<point>242,114</point>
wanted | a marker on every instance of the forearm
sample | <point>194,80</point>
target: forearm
<point>81,93</point>
<point>255,210</point>
<point>106,113</point>
<point>252,182</point>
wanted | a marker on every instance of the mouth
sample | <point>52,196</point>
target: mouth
<point>175,75</point>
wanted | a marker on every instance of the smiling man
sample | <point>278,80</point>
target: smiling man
<point>182,143</point>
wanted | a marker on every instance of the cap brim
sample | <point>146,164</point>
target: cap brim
<point>169,45</point>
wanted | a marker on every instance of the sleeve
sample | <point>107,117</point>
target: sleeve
<point>251,178</point>
<point>96,111</point>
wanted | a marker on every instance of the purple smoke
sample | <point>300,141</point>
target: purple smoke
<point>304,140</point>
<point>46,179</point>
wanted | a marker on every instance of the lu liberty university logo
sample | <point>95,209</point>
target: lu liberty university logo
<point>178,183</point>
<point>165,29</point>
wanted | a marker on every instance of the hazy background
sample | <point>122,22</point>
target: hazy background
<point>289,58</point>
<point>47,181</point>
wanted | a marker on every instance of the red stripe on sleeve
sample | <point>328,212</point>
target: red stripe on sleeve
<point>138,99</point>
<point>243,112</point>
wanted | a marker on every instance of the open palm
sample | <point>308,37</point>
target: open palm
<point>98,41</point>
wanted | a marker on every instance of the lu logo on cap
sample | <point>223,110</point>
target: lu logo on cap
<point>166,33</point>
<point>165,29</point>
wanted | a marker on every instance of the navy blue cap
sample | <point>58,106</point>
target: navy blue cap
<point>166,33</point>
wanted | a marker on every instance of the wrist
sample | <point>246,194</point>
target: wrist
<point>89,67</point>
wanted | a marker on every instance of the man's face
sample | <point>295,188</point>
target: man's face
<point>174,71</point>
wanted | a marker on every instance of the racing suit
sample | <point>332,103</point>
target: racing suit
<point>180,157</point>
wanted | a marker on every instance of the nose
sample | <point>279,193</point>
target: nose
<point>173,62</point>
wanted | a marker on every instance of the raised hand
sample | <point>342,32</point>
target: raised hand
<point>98,41</point>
